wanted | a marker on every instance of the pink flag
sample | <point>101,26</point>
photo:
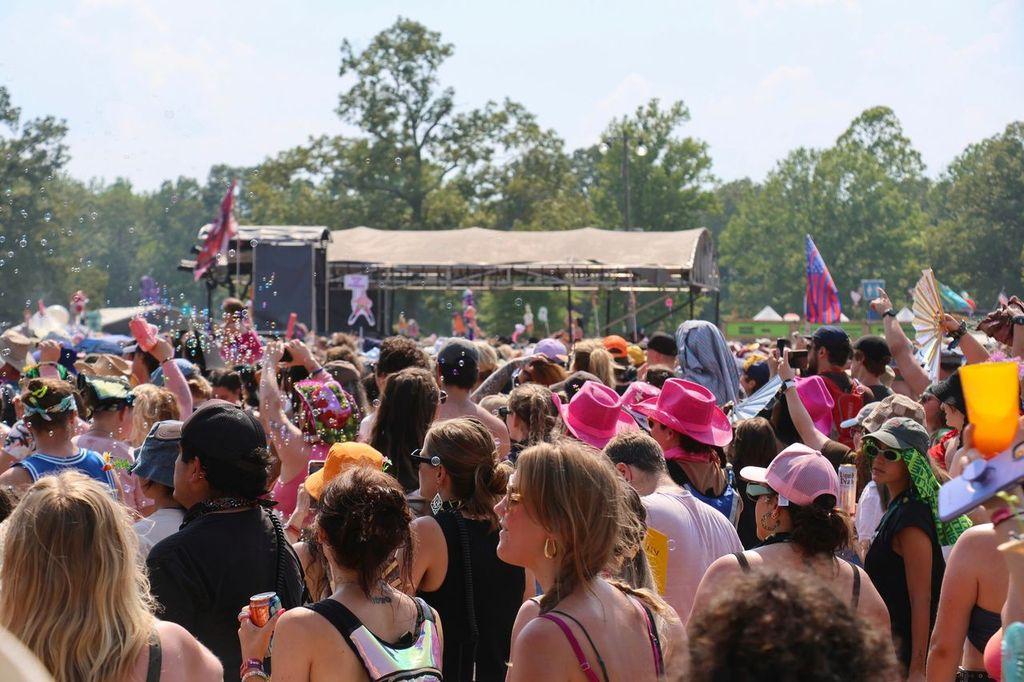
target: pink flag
<point>222,229</point>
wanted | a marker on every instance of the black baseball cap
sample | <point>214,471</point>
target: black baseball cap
<point>663,343</point>
<point>458,357</point>
<point>831,338</point>
<point>874,348</point>
<point>950,391</point>
<point>221,431</point>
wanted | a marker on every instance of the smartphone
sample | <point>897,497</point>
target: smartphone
<point>797,358</point>
<point>315,465</point>
<point>980,481</point>
<point>782,343</point>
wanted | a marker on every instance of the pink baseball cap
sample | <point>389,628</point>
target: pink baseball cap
<point>798,474</point>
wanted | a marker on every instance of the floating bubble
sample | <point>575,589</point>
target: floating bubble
<point>23,242</point>
<point>398,160</point>
<point>254,243</point>
<point>24,213</point>
<point>42,242</point>
<point>94,215</point>
<point>231,253</point>
<point>519,302</point>
<point>47,216</point>
<point>2,239</point>
<point>15,271</point>
<point>641,150</point>
<point>131,229</point>
<point>10,254</point>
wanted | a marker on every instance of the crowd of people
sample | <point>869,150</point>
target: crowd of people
<point>210,504</point>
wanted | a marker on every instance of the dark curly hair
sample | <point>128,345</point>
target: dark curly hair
<point>768,627</point>
<point>398,353</point>
<point>365,520</point>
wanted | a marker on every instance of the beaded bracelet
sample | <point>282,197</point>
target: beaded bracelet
<point>256,673</point>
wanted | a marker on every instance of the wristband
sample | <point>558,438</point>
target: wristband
<point>889,313</point>
<point>788,384</point>
<point>250,665</point>
<point>255,674</point>
<point>317,371</point>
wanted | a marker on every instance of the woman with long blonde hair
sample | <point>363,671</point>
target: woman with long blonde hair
<point>74,592</point>
<point>150,404</point>
<point>599,361</point>
<point>561,518</point>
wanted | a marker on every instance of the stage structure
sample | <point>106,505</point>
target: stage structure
<point>589,259</point>
<point>344,280</point>
<point>282,269</point>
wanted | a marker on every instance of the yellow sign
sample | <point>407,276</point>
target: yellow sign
<point>656,547</point>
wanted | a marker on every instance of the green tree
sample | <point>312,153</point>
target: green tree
<point>669,176</point>
<point>978,208</point>
<point>415,140</point>
<point>862,202</point>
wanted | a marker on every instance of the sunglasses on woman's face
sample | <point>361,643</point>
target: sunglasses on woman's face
<point>872,451</point>
<point>512,497</point>
<point>755,490</point>
<point>418,456</point>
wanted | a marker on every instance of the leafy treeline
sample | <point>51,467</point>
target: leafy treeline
<point>421,162</point>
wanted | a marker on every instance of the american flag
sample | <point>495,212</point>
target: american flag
<point>222,229</point>
<point>821,304</point>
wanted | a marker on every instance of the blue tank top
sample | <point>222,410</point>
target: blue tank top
<point>89,462</point>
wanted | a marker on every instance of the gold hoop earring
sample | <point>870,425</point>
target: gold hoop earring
<point>550,548</point>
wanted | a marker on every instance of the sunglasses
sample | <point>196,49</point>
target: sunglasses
<point>418,456</point>
<point>757,490</point>
<point>502,412</point>
<point>871,450</point>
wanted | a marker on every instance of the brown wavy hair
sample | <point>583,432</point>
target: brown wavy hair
<point>765,625</point>
<point>534,406</point>
<point>470,457</point>
<point>364,520</point>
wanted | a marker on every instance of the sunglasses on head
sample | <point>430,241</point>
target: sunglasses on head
<point>872,450</point>
<point>418,456</point>
<point>757,490</point>
<point>512,496</point>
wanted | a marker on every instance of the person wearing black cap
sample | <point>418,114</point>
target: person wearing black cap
<point>950,393</point>
<point>829,352</point>
<point>229,547</point>
<point>871,356</point>
<point>662,350</point>
<point>458,365</point>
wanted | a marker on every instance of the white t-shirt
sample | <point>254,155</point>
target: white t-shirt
<point>157,526</point>
<point>697,535</point>
<point>869,512</point>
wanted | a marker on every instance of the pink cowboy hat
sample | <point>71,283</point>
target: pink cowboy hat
<point>637,392</point>
<point>816,398</point>
<point>690,409</point>
<point>595,416</point>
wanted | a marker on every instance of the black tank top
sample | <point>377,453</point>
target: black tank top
<point>497,590</point>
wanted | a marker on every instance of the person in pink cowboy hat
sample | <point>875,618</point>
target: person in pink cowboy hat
<point>636,393</point>
<point>595,416</point>
<point>689,427</point>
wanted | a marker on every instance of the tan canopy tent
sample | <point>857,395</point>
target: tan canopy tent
<point>586,258</point>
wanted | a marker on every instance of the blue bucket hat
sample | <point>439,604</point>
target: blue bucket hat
<point>155,459</point>
<point>186,367</point>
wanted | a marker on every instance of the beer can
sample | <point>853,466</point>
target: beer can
<point>848,488</point>
<point>262,607</point>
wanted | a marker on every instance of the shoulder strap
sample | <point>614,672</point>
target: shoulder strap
<point>600,661</point>
<point>742,560</point>
<point>652,634</point>
<point>155,658</point>
<point>588,672</point>
<point>338,615</point>
<point>856,588</point>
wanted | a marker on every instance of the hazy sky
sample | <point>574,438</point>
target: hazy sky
<point>157,89</point>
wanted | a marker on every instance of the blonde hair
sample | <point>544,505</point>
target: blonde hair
<point>200,389</point>
<point>151,404</point>
<point>574,492</point>
<point>488,361</point>
<point>534,406</point>
<point>601,361</point>
<point>73,589</point>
